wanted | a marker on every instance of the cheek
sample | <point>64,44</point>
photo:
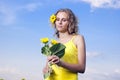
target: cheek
<point>66,25</point>
<point>56,22</point>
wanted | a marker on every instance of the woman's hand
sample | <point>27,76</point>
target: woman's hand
<point>46,68</point>
<point>54,59</point>
<point>51,59</point>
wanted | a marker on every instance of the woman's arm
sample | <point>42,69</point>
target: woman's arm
<point>80,67</point>
<point>46,68</point>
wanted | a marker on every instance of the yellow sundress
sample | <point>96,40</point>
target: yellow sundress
<point>70,56</point>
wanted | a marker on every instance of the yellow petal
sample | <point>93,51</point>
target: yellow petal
<point>52,18</point>
<point>44,40</point>
<point>53,41</point>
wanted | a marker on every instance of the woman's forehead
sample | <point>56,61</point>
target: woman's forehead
<point>62,14</point>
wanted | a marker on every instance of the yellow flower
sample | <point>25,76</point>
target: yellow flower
<point>52,18</point>
<point>44,40</point>
<point>53,42</point>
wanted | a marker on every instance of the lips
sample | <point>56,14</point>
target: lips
<point>60,26</point>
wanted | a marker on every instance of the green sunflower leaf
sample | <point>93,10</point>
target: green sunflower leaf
<point>58,50</point>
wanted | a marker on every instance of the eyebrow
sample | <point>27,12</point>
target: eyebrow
<point>62,18</point>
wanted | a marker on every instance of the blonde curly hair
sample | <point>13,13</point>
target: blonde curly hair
<point>73,22</point>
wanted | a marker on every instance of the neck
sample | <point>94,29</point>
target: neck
<point>63,35</point>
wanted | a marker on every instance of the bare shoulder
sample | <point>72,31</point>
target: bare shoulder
<point>79,38</point>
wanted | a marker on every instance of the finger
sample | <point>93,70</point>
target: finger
<point>49,58</point>
<point>56,60</point>
<point>45,70</point>
<point>55,56</point>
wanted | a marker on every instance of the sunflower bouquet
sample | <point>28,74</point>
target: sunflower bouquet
<point>51,47</point>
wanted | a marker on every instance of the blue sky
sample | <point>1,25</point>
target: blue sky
<point>24,22</point>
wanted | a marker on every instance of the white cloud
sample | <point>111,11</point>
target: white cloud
<point>103,3</point>
<point>92,54</point>
<point>115,4</point>
<point>8,70</point>
<point>9,73</point>
<point>7,15</point>
<point>98,74</point>
<point>13,73</point>
<point>30,6</point>
<point>117,71</point>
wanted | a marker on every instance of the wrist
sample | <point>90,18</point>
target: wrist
<point>60,63</point>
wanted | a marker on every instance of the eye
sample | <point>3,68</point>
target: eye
<point>57,19</point>
<point>64,20</point>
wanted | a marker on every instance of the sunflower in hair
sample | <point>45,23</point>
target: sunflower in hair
<point>52,18</point>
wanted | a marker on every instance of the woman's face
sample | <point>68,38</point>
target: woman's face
<point>62,21</point>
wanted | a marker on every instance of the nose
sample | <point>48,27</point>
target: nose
<point>60,21</point>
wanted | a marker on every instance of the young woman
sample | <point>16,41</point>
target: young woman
<point>74,59</point>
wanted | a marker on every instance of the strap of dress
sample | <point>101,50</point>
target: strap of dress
<point>73,38</point>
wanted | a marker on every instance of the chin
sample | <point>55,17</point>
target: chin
<point>61,31</point>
